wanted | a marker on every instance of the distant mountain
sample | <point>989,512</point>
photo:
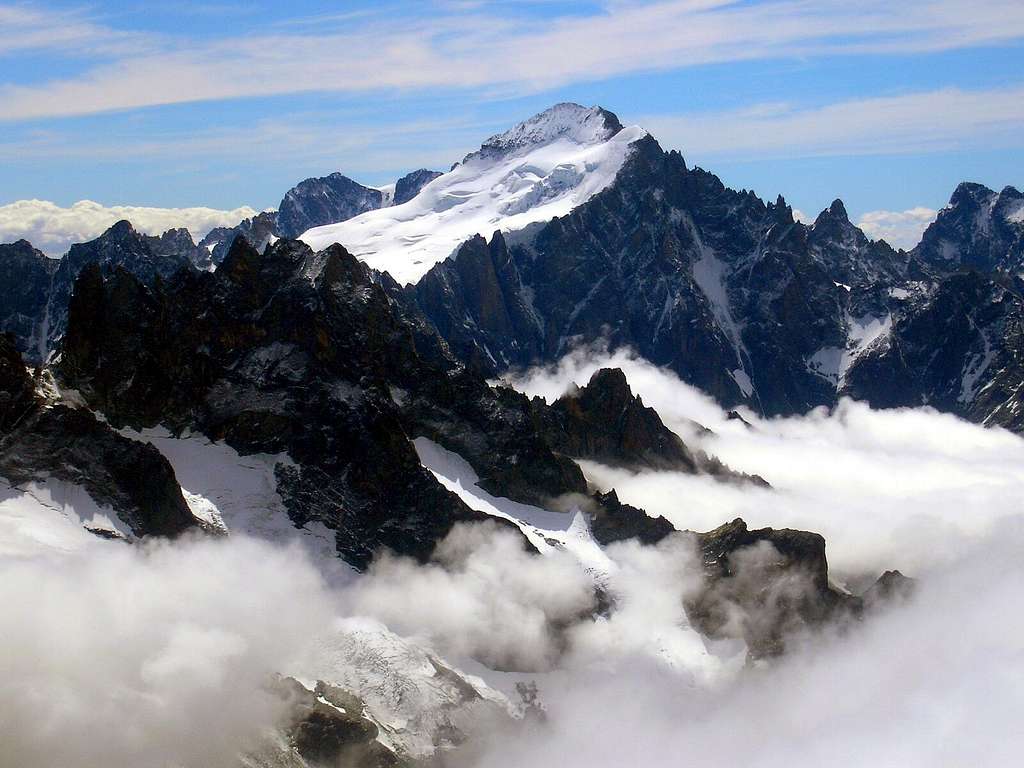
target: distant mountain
<point>598,234</point>
<point>314,202</point>
<point>728,291</point>
<point>541,168</point>
<point>259,231</point>
<point>407,187</point>
<point>26,277</point>
<point>979,228</point>
<point>38,288</point>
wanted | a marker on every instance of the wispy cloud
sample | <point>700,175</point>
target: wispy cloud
<point>901,229</point>
<point>30,28</point>
<point>314,142</point>
<point>488,49</point>
<point>934,120</point>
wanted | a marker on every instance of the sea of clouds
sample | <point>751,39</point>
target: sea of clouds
<point>158,655</point>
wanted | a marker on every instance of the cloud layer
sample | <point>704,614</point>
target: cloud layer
<point>156,655</point>
<point>932,682</point>
<point>907,488</point>
<point>52,229</point>
<point>148,656</point>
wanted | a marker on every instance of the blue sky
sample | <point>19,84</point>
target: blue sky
<point>222,104</point>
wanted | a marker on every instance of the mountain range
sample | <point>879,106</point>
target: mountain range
<point>346,352</point>
<point>570,229</point>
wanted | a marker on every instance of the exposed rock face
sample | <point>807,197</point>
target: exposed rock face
<point>17,393</point>
<point>326,200</point>
<point>39,441</point>
<point>958,347</point>
<point>407,187</point>
<point>25,278</point>
<point>605,422</point>
<point>723,289</point>
<point>40,288</point>
<point>738,298</point>
<point>289,355</point>
<point>259,231</point>
<point>765,585</point>
<point>303,353</point>
<point>979,228</point>
<point>131,477</point>
<point>326,727</point>
<point>612,521</point>
<point>478,305</point>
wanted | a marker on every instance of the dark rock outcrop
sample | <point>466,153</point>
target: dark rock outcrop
<point>72,445</point>
<point>40,441</point>
<point>259,231</point>
<point>407,187</point>
<point>765,586</point>
<point>17,392</point>
<point>958,347</point>
<point>612,521</point>
<point>326,727</point>
<point>325,200</point>
<point>302,352</point>
<point>979,228</point>
<point>605,422</point>
<point>26,275</point>
<point>891,586</point>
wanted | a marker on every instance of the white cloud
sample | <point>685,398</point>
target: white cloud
<point>913,122</point>
<point>509,53</point>
<point>484,596</point>
<point>933,682</point>
<point>901,229</point>
<point>162,663</point>
<point>906,488</point>
<point>148,656</point>
<point>52,229</point>
<point>28,28</point>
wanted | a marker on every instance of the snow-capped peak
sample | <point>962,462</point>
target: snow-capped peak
<point>542,168</point>
<point>572,122</point>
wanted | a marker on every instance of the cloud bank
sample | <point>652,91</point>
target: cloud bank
<point>156,655</point>
<point>53,229</point>
<point>148,656</point>
<point>906,488</point>
<point>901,229</point>
<point>932,682</point>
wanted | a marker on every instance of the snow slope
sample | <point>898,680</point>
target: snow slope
<point>52,516</point>
<point>544,529</point>
<point>416,698</point>
<point>538,170</point>
<point>239,494</point>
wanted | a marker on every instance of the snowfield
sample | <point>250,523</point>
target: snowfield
<point>538,170</point>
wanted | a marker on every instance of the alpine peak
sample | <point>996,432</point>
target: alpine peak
<point>569,121</point>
